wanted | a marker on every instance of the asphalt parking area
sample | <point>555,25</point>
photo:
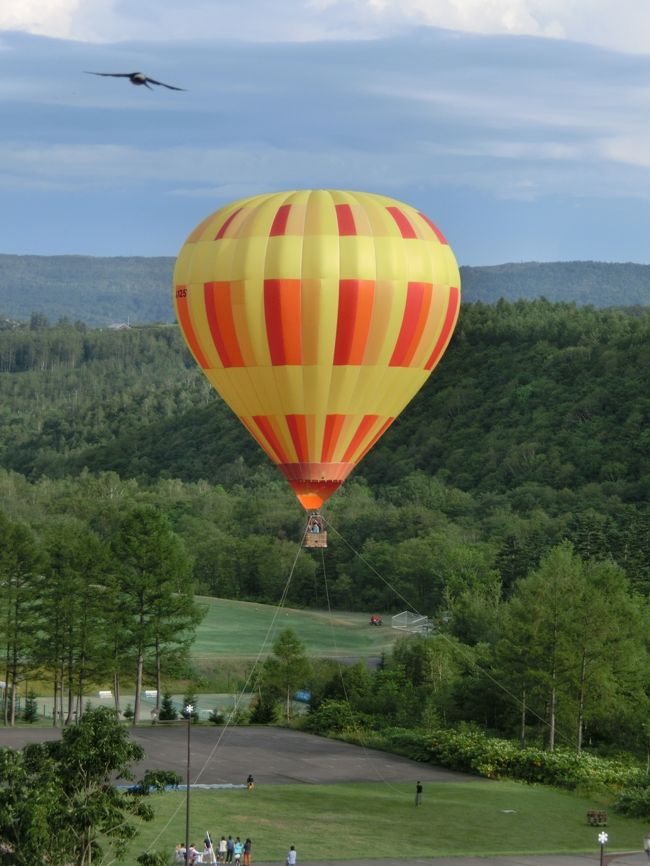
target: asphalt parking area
<point>273,755</point>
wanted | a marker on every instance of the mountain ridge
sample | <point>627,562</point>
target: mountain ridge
<point>104,290</point>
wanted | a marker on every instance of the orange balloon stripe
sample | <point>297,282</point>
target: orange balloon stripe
<point>354,317</point>
<point>377,436</point>
<point>362,430</point>
<point>297,425</point>
<point>403,224</point>
<point>345,220</point>
<point>450,320</point>
<point>218,307</point>
<point>418,302</point>
<point>438,233</point>
<point>183,313</point>
<point>268,433</point>
<point>224,227</point>
<point>279,226</point>
<point>261,441</point>
<point>282,315</point>
<point>333,427</point>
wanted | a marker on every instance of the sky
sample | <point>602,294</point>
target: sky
<point>520,127</point>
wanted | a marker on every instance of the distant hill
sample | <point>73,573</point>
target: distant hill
<point>94,290</point>
<point>105,291</point>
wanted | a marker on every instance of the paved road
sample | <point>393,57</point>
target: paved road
<point>625,859</point>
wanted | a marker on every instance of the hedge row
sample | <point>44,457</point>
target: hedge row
<point>474,752</point>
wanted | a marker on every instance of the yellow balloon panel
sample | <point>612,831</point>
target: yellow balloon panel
<point>317,315</point>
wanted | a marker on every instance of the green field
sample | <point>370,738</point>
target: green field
<point>244,630</point>
<point>379,820</point>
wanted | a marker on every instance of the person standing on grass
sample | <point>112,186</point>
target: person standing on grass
<point>418,793</point>
<point>237,851</point>
<point>247,852</point>
<point>292,856</point>
<point>221,856</point>
<point>230,847</point>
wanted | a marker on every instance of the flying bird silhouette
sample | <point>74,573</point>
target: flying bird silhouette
<point>137,78</point>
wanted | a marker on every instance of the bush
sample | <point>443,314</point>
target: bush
<point>153,858</point>
<point>30,712</point>
<point>331,717</point>
<point>168,712</point>
<point>634,801</point>
<point>474,752</point>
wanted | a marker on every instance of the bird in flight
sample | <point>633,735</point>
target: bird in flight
<point>137,78</point>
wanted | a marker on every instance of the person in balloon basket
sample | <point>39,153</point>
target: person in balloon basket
<point>292,856</point>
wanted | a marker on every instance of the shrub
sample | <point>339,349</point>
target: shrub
<point>30,712</point>
<point>216,716</point>
<point>471,751</point>
<point>634,801</point>
<point>168,712</point>
<point>331,717</point>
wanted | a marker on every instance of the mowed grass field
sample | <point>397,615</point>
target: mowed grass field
<point>243,630</point>
<point>380,820</point>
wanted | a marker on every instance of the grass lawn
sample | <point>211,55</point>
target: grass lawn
<point>238,629</point>
<point>380,820</point>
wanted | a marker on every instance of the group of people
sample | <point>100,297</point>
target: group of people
<point>226,850</point>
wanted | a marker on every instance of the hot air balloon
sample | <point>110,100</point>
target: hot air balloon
<point>316,315</point>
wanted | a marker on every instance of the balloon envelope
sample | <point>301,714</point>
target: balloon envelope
<point>316,315</point>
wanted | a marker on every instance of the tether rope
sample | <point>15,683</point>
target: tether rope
<point>456,646</point>
<point>239,697</point>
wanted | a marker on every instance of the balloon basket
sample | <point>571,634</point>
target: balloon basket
<point>315,534</point>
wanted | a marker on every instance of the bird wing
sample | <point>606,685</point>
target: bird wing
<point>111,74</point>
<point>162,84</point>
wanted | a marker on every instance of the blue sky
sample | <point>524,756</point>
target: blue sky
<point>520,127</point>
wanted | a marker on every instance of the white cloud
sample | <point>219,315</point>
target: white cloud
<point>625,27</point>
<point>633,150</point>
<point>47,17</point>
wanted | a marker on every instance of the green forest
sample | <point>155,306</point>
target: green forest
<point>508,503</point>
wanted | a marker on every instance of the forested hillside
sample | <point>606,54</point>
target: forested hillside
<point>533,428</point>
<point>509,503</point>
<point>104,291</point>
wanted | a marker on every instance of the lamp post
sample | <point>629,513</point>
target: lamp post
<point>646,845</point>
<point>189,709</point>
<point>602,838</point>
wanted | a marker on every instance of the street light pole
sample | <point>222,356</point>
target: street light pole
<point>602,838</point>
<point>189,709</point>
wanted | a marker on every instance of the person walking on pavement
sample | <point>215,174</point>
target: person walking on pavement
<point>247,852</point>
<point>292,856</point>
<point>418,793</point>
<point>237,850</point>
<point>230,847</point>
<point>221,856</point>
